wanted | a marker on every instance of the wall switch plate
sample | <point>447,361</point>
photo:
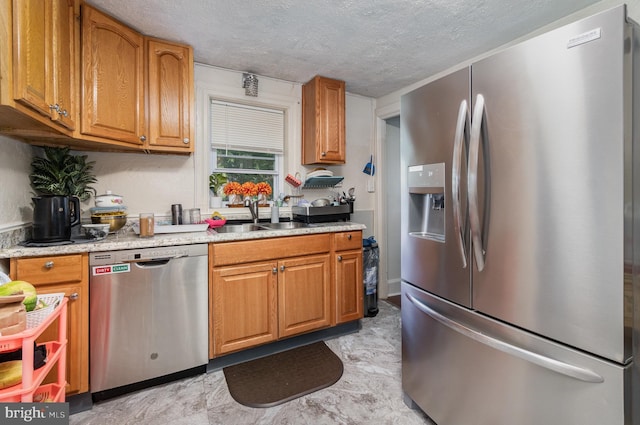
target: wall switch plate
<point>371,186</point>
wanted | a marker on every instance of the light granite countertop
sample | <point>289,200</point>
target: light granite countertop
<point>130,240</point>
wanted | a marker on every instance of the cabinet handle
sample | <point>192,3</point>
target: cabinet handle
<point>74,296</point>
<point>64,113</point>
<point>339,257</point>
<point>323,154</point>
<point>281,268</point>
<point>185,140</point>
<point>274,270</point>
<point>143,138</point>
<point>349,237</point>
<point>55,107</point>
<point>48,265</point>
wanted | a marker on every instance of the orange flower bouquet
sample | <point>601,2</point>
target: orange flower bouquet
<point>264,190</point>
<point>234,191</point>
<point>249,189</point>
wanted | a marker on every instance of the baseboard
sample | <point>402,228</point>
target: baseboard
<point>282,345</point>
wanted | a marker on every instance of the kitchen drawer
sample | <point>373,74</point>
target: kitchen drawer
<point>347,240</point>
<point>45,270</point>
<point>239,252</point>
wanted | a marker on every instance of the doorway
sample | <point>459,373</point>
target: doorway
<point>391,150</point>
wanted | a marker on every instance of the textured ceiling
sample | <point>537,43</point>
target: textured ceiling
<point>376,46</point>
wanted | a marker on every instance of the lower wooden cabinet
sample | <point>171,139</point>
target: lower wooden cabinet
<point>68,274</point>
<point>303,294</point>
<point>349,286</point>
<point>245,306</point>
<point>268,289</point>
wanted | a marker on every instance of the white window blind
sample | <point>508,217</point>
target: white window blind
<point>242,127</point>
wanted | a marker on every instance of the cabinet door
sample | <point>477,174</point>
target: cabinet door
<point>64,77</point>
<point>349,286</point>
<point>170,91</point>
<point>323,123</point>
<point>44,71</point>
<point>244,306</point>
<point>32,54</point>
<point>303,294</point>
<point>112,79</point>
<point>68,274</point>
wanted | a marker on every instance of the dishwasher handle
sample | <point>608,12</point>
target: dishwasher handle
<point>153,263</point>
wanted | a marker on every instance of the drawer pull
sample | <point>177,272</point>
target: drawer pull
<point>349,237</point>
<point>48,265</point>
<point>74,296</point>
<point>339,257</point>
<point>281,268</point>
<point>275,270</point>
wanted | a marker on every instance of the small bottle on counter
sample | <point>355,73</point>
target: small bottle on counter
<point>147,225</point>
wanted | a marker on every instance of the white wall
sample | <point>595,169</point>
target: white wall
<point>15,189</point>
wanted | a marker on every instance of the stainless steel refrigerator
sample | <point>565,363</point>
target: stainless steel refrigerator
<point>520,230</point>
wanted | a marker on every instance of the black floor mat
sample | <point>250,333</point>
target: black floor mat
<point>284,376</point>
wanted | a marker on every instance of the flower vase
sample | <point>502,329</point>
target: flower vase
<point>235,200</point>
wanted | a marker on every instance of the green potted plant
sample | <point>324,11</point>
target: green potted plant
<point>61,173</point>
<point>216,183</point>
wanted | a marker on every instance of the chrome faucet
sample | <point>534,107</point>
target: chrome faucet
<point>253,207</point>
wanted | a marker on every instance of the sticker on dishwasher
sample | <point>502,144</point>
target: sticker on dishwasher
<point>115,268</point>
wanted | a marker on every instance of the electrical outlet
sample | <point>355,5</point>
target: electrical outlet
<point>371,186</point>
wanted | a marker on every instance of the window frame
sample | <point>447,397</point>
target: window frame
<point>220,84</point>
<point>277,171</point>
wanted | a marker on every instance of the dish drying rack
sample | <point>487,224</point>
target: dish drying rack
<point>312,182</point>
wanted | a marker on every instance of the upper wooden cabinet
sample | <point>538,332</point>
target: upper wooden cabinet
<point>44,76</point>
<point>136,90</point>
<point>323,121</point>
<point>112,79</point>
<point>75,76</point>
<point>170,90</point>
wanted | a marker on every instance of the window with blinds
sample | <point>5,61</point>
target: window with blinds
<point>247,142</point>
<point>249,128</point>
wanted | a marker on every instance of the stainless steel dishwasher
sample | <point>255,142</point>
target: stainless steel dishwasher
<point>148,314</point>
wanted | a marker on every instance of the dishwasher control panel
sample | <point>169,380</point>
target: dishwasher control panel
<point>147,254</point>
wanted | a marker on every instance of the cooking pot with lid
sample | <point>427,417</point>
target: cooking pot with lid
<point>109,200</point>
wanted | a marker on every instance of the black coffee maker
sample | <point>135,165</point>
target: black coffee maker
<point>53,217</point>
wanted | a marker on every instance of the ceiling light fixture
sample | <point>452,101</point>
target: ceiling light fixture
<point>250,84</point>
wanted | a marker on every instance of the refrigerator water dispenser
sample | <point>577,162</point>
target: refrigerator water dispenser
<point>427,201</point>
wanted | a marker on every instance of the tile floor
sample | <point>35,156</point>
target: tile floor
<point>369,391</point>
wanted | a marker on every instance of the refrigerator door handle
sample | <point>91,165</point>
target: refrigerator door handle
<point>472,182</point>
<point>456,167</point>
<point>563,368</point>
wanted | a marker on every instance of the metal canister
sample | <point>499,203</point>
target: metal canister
<point>176,214</point>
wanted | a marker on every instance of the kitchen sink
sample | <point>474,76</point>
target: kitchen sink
<point>251,227</point>
<point>239,228</point>
<point>284,225</point>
